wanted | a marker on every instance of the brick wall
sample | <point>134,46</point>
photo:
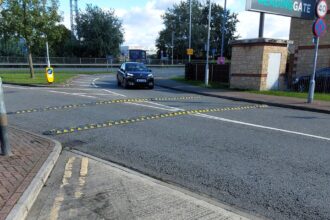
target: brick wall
<point>249,65</point>
<point>302,36</point>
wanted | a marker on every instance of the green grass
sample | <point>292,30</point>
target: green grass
<point>302,95</point>
<point>23,76</point>
<point>212,85</point>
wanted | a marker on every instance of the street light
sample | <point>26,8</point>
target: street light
<point>224,20</point>
<point>190,15</point>
<point>208,48</point>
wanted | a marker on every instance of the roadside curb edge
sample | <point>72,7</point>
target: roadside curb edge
<point>25,203</point>
<point>249,100</point>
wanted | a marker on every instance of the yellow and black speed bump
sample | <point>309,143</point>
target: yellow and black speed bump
<point>108,124</point>
<point>107,102</point>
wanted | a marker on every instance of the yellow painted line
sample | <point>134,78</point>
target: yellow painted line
<point>60,197</point>
<point>146,118</point>
<point>82,178</point>
<point>115,101</point>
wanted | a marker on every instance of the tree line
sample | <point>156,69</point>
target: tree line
<point>176,22</point>
<point>26,26</point>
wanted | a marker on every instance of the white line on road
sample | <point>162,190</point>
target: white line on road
<point>93,83</point>
<point>114,93</point>
<point>262,127</point>
<point>235,122</point>
<point>74,94</point>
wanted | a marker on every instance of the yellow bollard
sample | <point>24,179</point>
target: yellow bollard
<point>50,74</point>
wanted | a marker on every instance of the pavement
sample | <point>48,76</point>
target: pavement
<point>279,101</point>
<point>23,174</point>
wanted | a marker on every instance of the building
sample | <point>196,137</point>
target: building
<point>303,48</point>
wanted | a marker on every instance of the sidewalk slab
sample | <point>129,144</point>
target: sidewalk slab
<point>85,187</point>
<point>278,101</point>
<point>33,158</point>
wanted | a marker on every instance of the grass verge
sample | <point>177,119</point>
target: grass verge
<point>301,95</point>
<point>23,76</point>
<point>212,85</point>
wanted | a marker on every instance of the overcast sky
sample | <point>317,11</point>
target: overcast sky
<point>142,19</point>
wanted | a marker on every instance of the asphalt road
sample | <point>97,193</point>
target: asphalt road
<point>267,161</point>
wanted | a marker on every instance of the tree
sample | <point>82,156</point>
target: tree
<point>176,19</point>
<point>100,32</point>
<point>31,20</point>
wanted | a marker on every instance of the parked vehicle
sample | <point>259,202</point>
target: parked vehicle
<point>135,74</point>
<point>322,81</point>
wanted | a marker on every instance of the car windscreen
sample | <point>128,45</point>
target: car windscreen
<point>135,67</point>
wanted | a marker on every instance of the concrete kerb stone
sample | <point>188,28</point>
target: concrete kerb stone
<point>25,203</point>
<point>281,105</point>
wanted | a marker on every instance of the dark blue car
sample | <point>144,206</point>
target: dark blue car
<point>135,74</point>
<point>322,81</point>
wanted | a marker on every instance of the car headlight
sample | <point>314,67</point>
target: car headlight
<point>150,75</point>
<point>129,74</point>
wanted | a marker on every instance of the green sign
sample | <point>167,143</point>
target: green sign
<point>304,9</point>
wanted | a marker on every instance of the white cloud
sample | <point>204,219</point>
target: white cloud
<point>142,24</point>
<point>275,26</point>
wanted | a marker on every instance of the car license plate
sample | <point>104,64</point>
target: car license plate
<point>141,80</point>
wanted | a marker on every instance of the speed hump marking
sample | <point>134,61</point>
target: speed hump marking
<point>190,51</point>
<point>108,124</point>
<point>50,74</point>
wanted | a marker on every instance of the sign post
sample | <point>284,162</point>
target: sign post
<point>49,70</point>
<point>319,29</point>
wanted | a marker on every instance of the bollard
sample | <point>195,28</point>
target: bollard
<point>5,148</point>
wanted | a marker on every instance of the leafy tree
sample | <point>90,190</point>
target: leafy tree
<point>176,19</point>
<point>100,32</point>
<point>32,20</point>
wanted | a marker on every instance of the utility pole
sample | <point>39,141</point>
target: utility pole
<point>172,47</point>
<point>261,24</point>
<point>208,48</point>
<point>224,21</point>
<point>190,16</point>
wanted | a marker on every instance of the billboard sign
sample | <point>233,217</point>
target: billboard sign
<point>304,9</point>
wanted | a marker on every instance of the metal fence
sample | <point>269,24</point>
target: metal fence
<point>218,73</point>
<point>67,61</point>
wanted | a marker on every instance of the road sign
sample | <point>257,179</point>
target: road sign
<point>321,9</point>
<point>190,51</point>
<point>50,74</point>
<point>319,28</point>
<point>221,60</point>
<point>304,9</point>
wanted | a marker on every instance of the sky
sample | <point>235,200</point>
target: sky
<point>142,19</point>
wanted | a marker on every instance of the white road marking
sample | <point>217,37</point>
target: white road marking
<point>262,127</point>
<point>236,122</point>
<point>114,93</point>
<point>154,107</point>
<point>74,94</point>
<point>93,83</point>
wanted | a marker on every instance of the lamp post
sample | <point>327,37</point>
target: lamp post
<point>172,47</point>
<point>224,20</point>
<point>208,48</point>
<point>190,16</point>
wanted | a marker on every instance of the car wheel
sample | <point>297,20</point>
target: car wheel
<point>151,87</point>
<point>118,82</point>
<point>124,84</point>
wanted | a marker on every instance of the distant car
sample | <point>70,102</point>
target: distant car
<point>322,81</point>
<point>135,74</point>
